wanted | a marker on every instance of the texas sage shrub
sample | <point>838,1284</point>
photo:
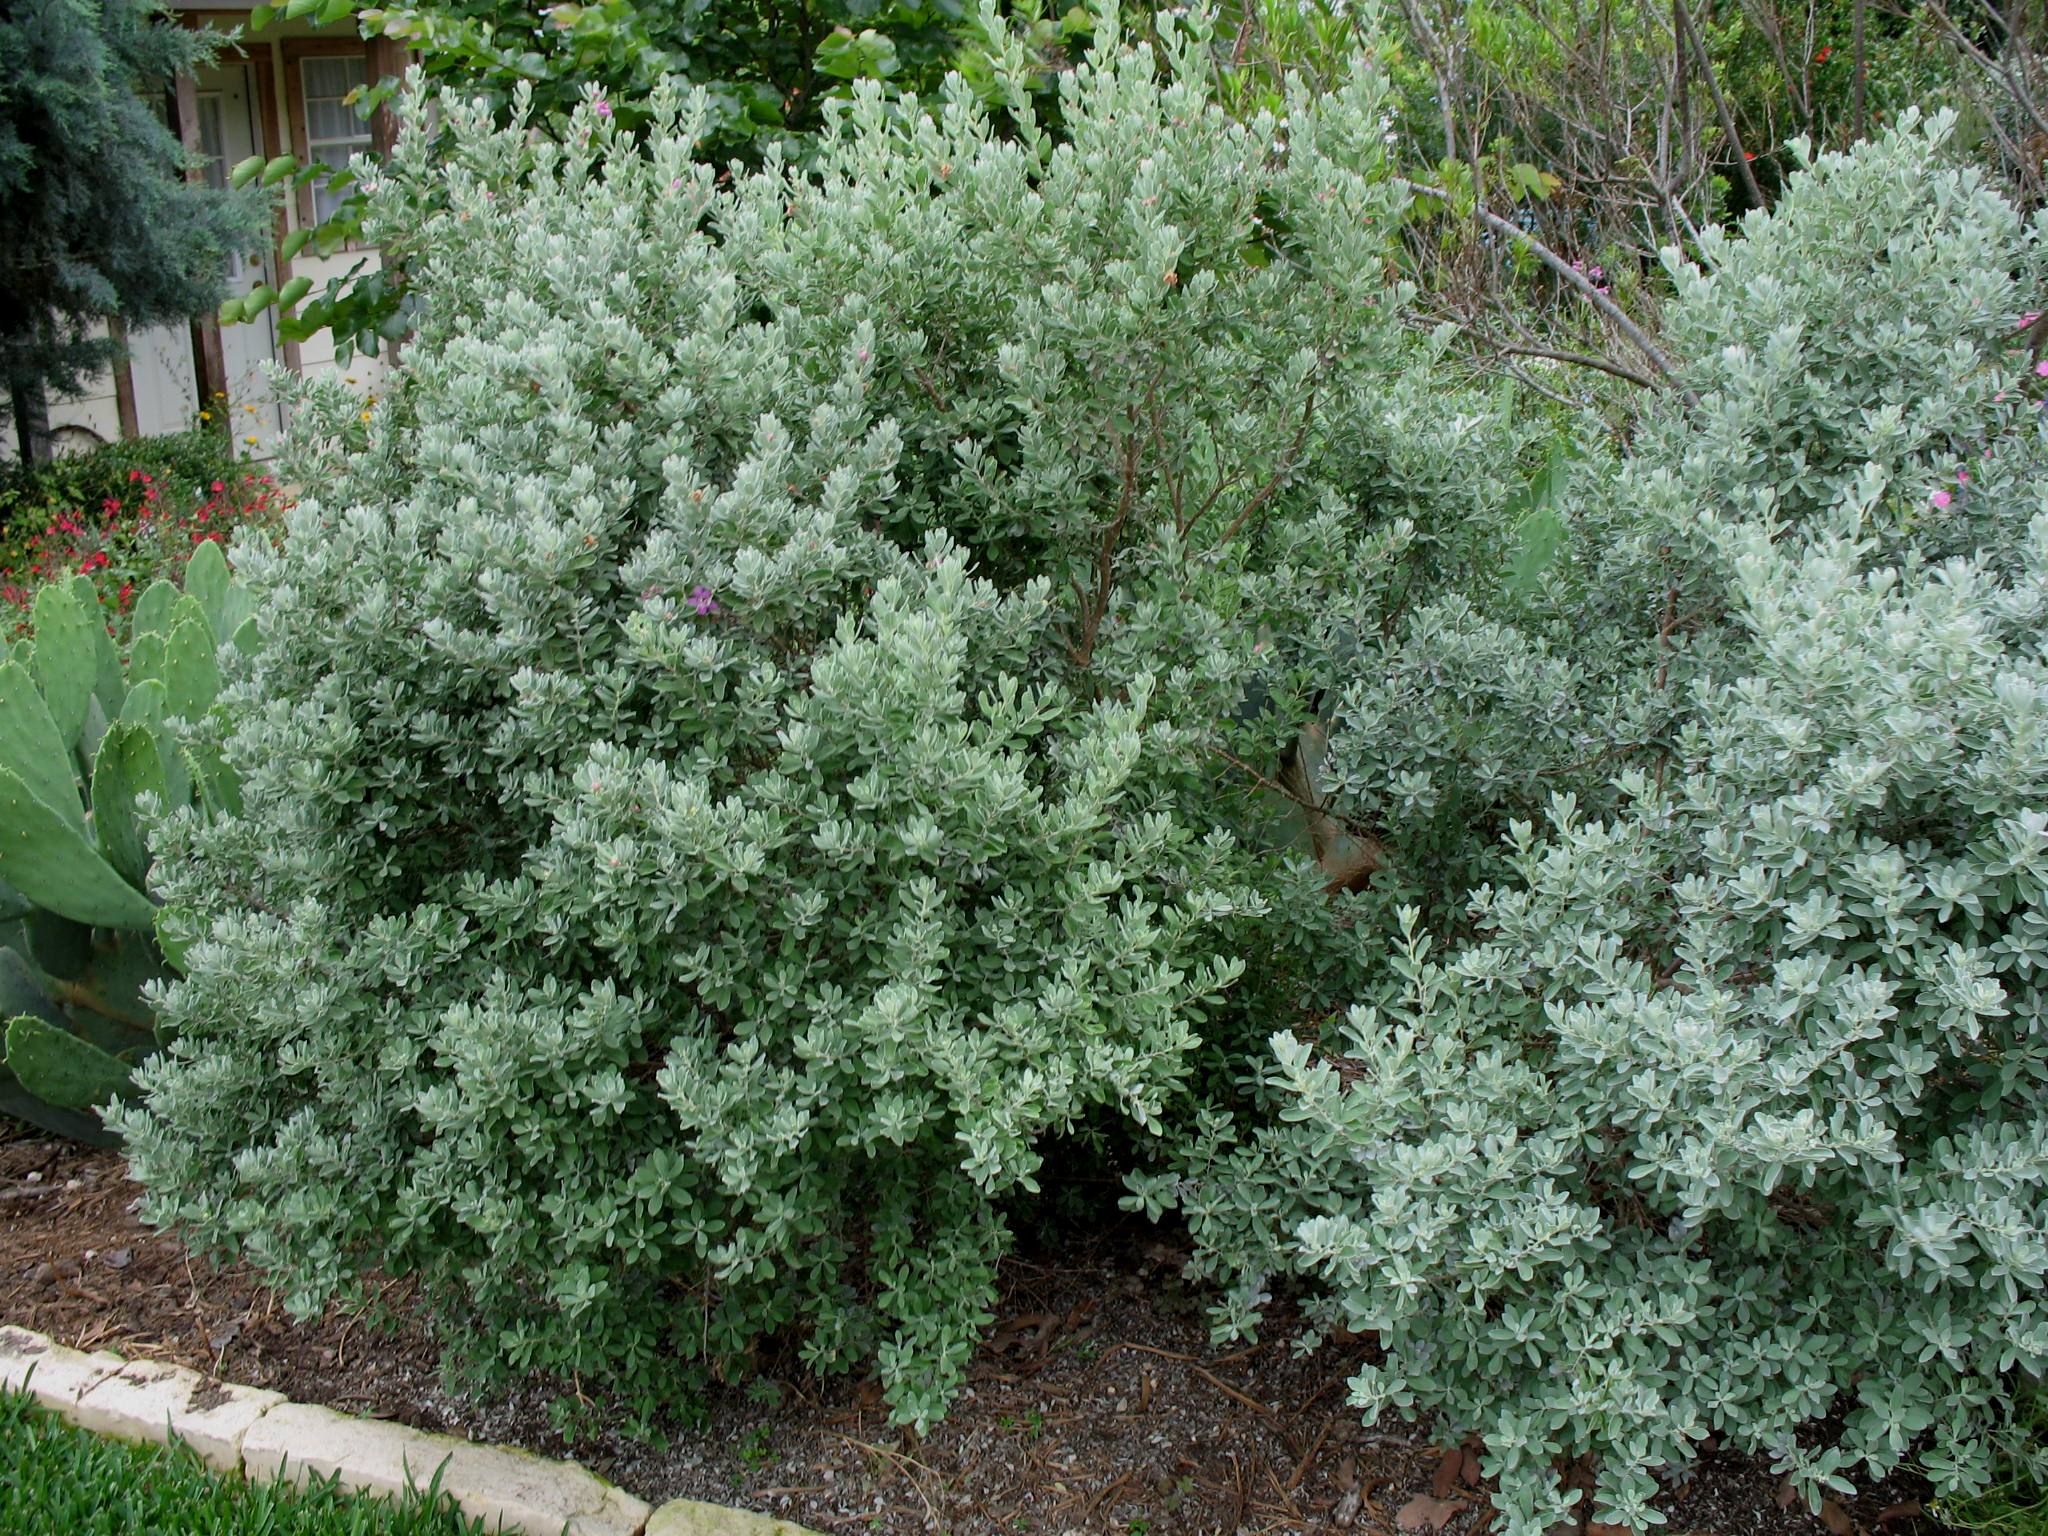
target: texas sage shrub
<point>735,759</point>
<point>1872,319</point>
<point>1718,1113</point>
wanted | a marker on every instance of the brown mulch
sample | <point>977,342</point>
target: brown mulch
<point>1096,1404</point>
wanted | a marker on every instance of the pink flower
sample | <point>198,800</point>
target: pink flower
<point>2041,369</point>
<point>2028,319</point>
<point>1962,477</point>
<point>601,107</point>
<point>1940,498</point>
<point>702,600</point>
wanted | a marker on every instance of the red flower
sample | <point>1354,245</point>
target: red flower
<point>1822,56</point>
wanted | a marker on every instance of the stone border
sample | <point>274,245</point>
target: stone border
<point>262,1436</point>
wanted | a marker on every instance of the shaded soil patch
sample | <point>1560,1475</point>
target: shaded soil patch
<point>1096,1403</point>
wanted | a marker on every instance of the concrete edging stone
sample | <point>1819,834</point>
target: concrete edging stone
<point>686,1517</point>
<point>263,1436</point>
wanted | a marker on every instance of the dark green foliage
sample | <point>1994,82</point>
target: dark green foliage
<point>32,494</point>
<point>96,218</point>
<point>766,68</point>
<point>54,1478</point>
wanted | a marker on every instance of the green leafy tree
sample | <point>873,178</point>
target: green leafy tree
<point>97,219</point>
<point>765,69</point>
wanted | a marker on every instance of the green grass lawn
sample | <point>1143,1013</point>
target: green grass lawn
<point>59,1481</point>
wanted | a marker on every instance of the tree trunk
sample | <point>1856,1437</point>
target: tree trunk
<point>32,423</point>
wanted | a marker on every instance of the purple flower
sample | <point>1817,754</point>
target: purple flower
<point>601,107</point>
<point>702,600</point>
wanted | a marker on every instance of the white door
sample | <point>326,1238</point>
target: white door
<point>227,136</point>
<point>166,383</point>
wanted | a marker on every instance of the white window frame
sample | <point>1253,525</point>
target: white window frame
<point>355,143</point>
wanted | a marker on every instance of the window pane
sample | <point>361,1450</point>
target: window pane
<point>212,142</point>
<point>333,77</point>
<point>326,120</point>
<point>333,131</point>
<point>327,201</point>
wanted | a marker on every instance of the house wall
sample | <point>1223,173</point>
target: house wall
<point>161,368</point>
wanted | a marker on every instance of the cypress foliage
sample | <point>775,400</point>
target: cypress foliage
<point>97,220</point>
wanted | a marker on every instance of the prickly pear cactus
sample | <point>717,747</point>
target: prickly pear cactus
<point>86,741</point>
<point>75,1019</point>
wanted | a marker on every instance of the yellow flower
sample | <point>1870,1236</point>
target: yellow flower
<point>366,415</point>
<point>206,415</point>
<point>252,440</point>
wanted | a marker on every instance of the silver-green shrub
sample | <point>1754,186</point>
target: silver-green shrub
<point>734,761</point>
<point>1720,1113</point>
<point>1869,320</point>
